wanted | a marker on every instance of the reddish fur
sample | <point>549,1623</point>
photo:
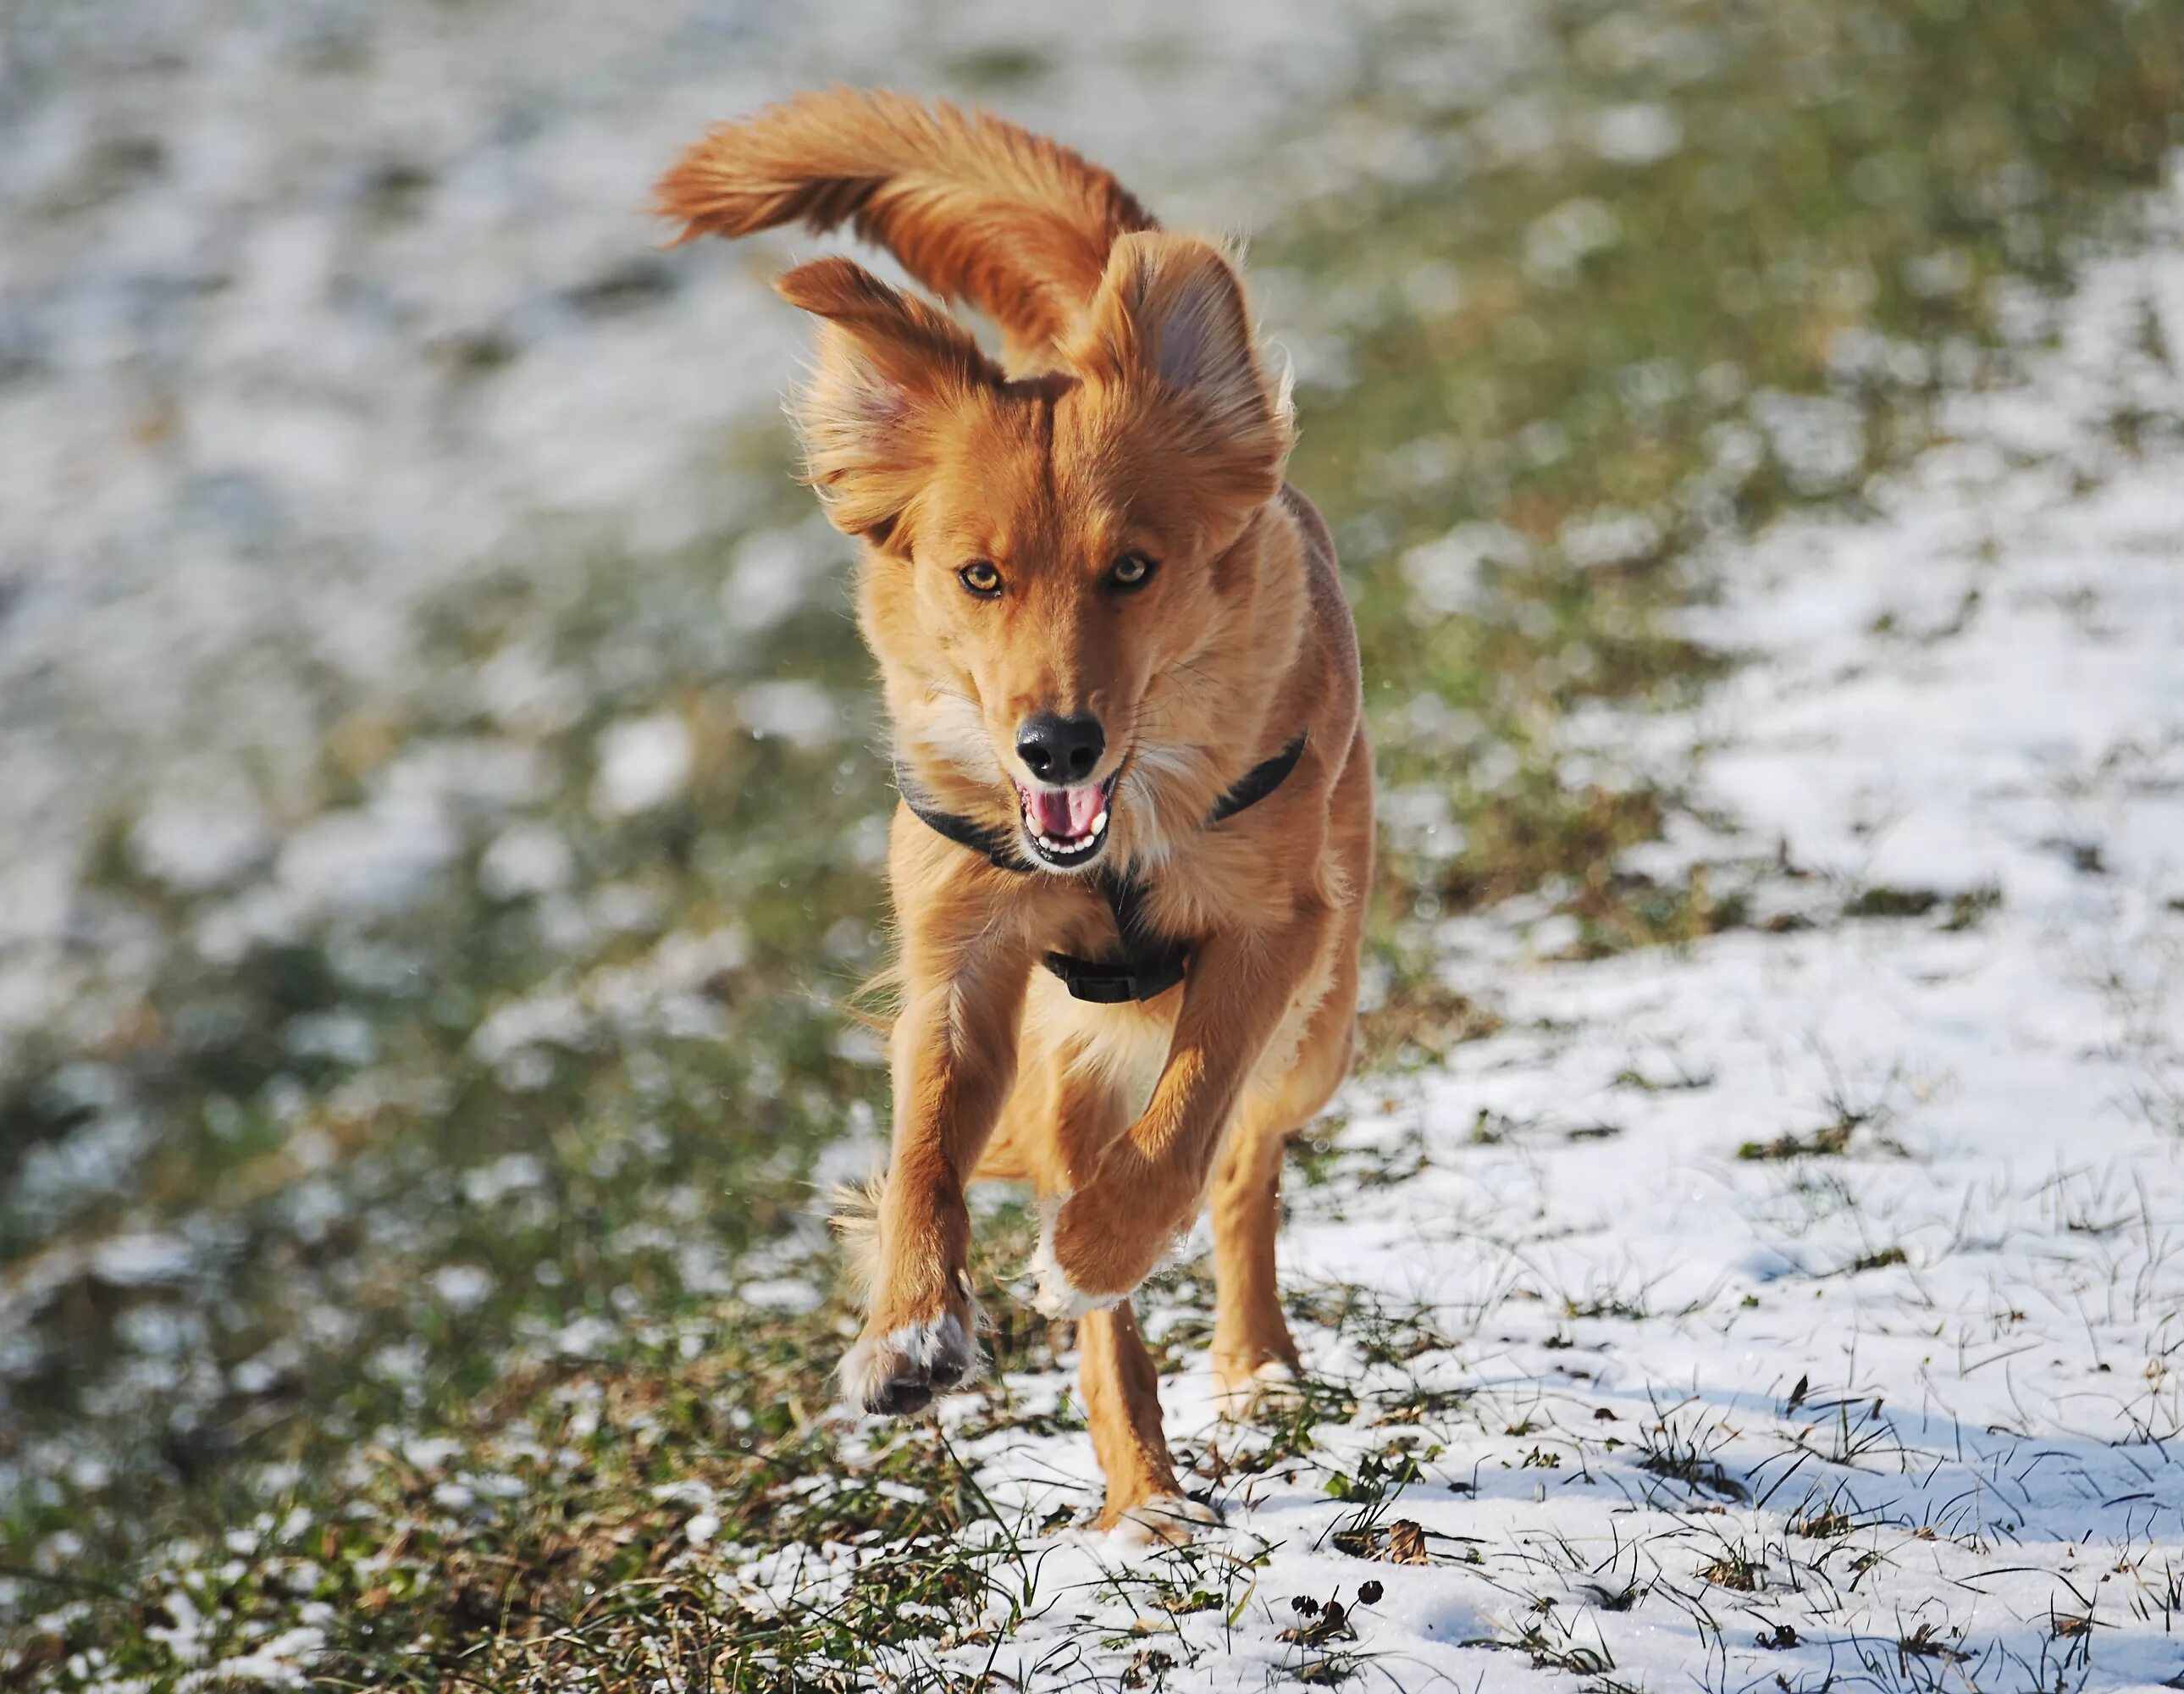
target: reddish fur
<point>1153,426</point>
<point>975,209</point>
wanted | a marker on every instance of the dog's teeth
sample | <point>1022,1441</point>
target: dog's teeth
<point>1073,846</point>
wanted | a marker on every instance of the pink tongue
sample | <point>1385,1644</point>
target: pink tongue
<point>1064,814</point>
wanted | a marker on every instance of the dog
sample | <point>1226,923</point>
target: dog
<point>1133,850</point>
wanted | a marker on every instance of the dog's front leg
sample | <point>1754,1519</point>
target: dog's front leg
<point>954,1061</point>
<point>1109,1234</point>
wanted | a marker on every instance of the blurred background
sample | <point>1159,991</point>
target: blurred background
<point>440,789</point>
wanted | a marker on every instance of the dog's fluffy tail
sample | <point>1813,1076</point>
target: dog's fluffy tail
<point>975,209</point>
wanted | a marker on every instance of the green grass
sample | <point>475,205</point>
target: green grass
<point>556,1268</point>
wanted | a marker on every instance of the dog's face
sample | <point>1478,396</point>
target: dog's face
<point>1051,550</point>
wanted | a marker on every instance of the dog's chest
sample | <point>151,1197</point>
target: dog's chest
<point>1128,1044</point>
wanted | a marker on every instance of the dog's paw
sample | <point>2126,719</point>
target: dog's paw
<point>1164,1520</point>
<point>899,1372</point>
<point>1053,1294</point>
<point>1270,1390</point>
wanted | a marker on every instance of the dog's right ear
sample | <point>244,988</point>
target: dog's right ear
<point>1170,317</point>
<point>886,365</point>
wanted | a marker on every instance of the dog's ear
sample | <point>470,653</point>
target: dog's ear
<point>886,364</point>
<point>1170,312</point>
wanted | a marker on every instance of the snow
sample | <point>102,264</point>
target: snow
<point>1640,133</point>
<point>643,764</point>
<point>767,579</point>
<point>282,1661</point>
<point>280,403</point>
<point>1651,1367</point>
<point>799,712</point>
<point>319,317</point>
<point>141,1258</point>
<point>526,858</point>
<point>462,1287</point>
<point>1608,537</point>
<point>195,837</point>
<point>1562,240</point>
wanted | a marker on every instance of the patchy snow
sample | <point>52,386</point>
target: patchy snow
<point>195,836</point>
<point>283,1661</point>
<point>799,712</point>
<point>643,764</point>
<point>135,1260</point>
<point>317,314</point>
<point>1808,1303</point>
<point>526,858</point>
<point>1640,133</point>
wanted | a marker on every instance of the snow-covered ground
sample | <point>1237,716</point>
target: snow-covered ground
<point>1803,1305</point>
<point>1808,1304</point>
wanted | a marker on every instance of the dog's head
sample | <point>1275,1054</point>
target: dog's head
<point>1052,554</point>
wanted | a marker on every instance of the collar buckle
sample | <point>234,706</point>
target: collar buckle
<point>1117,981</point>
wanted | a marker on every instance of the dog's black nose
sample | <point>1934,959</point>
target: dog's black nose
<point>1061,749</point>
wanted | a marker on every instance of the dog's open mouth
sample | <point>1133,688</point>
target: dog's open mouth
<point>1067,826</point>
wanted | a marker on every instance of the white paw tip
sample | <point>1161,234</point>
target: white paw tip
<point>933,1353</point>
<point>1169,1517</point>
<point>1053,1295</point>
<point>1272,1385</point>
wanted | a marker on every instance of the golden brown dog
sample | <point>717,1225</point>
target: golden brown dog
<point>1131,856</point>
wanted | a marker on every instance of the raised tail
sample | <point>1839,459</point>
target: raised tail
<point>975,209</point>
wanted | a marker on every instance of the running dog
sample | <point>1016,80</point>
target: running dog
<point>1132,853</point>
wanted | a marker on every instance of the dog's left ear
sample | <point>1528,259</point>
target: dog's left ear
<point>1170,312</point>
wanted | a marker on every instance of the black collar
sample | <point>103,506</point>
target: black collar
<point>1149,964</point>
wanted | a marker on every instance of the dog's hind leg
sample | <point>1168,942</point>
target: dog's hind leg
<point>1254,1355</point>
<point>1253,1352</point>
<point>1122,1403</point>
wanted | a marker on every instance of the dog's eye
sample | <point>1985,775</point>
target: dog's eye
<point>981,578</point>
<point>1131,570</point>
